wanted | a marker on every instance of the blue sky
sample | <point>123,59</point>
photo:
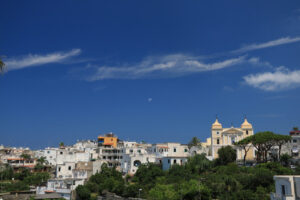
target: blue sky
<point>146,70</point>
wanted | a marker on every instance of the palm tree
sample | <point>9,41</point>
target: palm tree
<point>42,160</point>
<point>26,157</point>
<point>40,163</point>
<point>194,142</point>
<point>61,144</point>
<point>2,65</point>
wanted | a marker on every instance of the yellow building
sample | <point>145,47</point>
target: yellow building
<point>221,137</point>
<point>108,140</point>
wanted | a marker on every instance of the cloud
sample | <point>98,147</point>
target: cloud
<point>282,78</point>
<point>36,60</point>
<point>149,100</point>
<point>280,41</point>
<point>160,67</point>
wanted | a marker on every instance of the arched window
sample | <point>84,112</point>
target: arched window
<point>137,163</point>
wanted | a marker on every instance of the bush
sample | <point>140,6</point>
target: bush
<point>226,155</point>
<point>83,193</point>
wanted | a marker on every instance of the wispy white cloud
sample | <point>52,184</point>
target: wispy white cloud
<point>277,42</point>
<point>164,66</point>
<point>282,78</point>
<point>36,59</point>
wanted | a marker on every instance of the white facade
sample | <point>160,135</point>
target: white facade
<point>50,155</point>
<point>65,170</point>
<point>134,155</point>
<point>64,187</point>
<point>287,188</point>
<point>169,149</point>
<point>168,162</point>
<point>69,155</point>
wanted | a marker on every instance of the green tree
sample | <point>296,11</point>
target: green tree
<point>263,142</point>
<point>26,157</point>
<point>244,144</point>
<point>61,144</point>
<point>163,192</point>
<point>194,142</point>
<point>40,163</point>
<point>42,160</point>
<point>226,155</point>
<point>83,193</point>
<point>280,140</point>
<point>285,159</point>
<point>108,179</point>
<point>198,164</point>
<point>147,174</point>
<point>132,190</point>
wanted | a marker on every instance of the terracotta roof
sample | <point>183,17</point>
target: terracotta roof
<point>15,158</point>
<point>165,147</point>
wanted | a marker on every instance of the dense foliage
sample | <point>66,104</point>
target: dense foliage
<point>263,143</point>
<point>199,178</point>
<point>19,181</point>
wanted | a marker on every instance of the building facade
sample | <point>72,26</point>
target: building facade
<point>287,188</point>
<point>221,137</point>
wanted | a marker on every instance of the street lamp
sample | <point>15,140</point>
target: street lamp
<point>140,193</point>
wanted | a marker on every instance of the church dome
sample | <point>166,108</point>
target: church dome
<point>216,125</point>
<point>246,125</point>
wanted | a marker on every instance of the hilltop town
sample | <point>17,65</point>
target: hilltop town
<point>58,172</point>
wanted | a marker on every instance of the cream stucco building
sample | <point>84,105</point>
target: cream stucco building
<point>221,137</point>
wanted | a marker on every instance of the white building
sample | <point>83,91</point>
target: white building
<point>64,187</point>
<point>169,161</point>
<point>134,155</point>
<point>287,188</point>
<point>78,170</point>
<point>50,154</point>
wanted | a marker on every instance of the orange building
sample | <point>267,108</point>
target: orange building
<point>108,140</point>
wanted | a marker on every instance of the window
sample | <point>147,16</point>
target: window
<point>294,141</point>
<point>232,140</point>
<point>61,153</point>
<point>218,132</point>
<point>104,157</point>
<point>59,169</point>
<point>180,161</point>
<point>247,132</point>
<point>131,151</point>
<point>48,152</point>
<point>174,161</point>
<point>174,149</point>
<point>69,168</point>
<point>283,190</point>
<point>139,151</point>
<point>218,141</point>
<point>185,150</point>
<point>168,160</point>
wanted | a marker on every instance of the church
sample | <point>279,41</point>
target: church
<point>221,137</point>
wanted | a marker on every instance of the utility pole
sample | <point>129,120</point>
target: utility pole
<point>140,193</point>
